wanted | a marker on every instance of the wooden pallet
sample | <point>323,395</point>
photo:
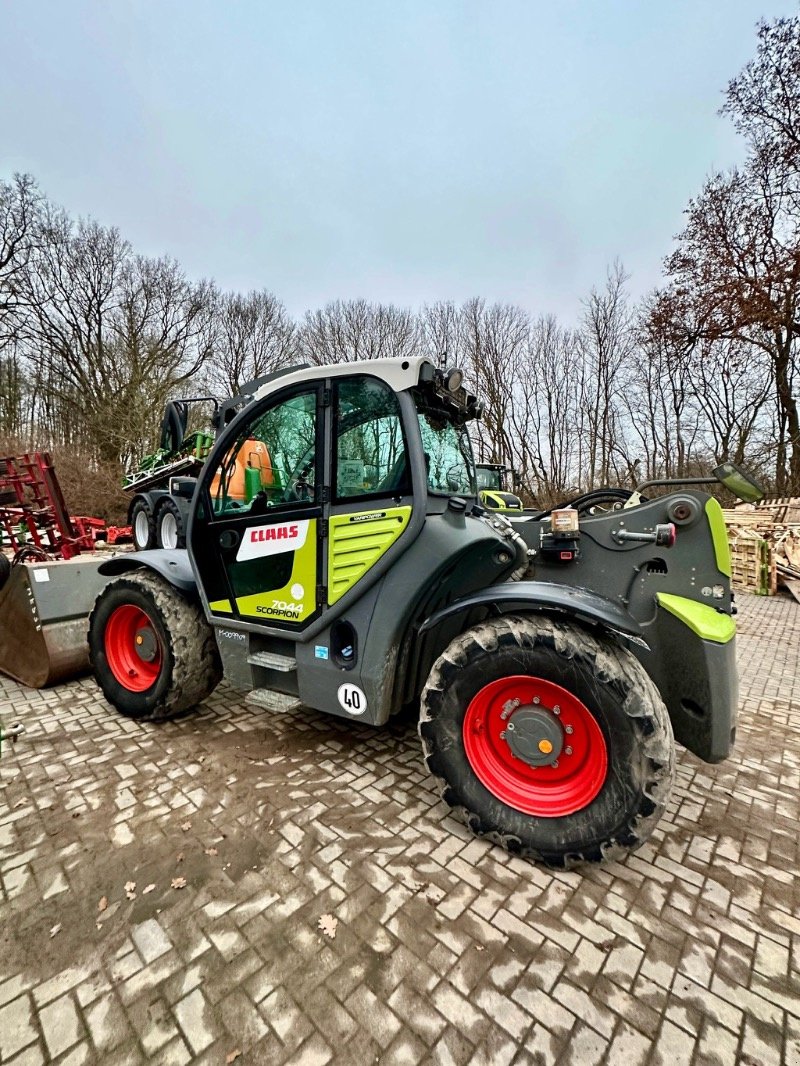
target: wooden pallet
<point>784,509</point>
<point>753,567</point>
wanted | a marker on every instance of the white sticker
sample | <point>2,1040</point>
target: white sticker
<point>352,699</point>
<point>273,539</point>
<point>41,575</point>
<point>297,591</point>
<point>351,474</point>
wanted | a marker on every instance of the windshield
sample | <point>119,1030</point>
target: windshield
<point>488,478</point>
<point>448,453</point>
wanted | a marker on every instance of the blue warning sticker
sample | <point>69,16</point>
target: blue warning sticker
<point>320,651</point>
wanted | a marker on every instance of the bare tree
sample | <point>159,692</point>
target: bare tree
<point>441,334</point>
<point>345,331</point>
<point>109,334</point>
<point>253,336</point>
<point>495,342</point>
<point>764,99</point>
<point>20,208</point>
<point>736,276</point>
<point>609,341</point>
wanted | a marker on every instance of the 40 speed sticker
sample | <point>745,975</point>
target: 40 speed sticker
<point>352,699</point>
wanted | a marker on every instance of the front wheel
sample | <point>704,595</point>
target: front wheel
<point>151,649</point>
<point>547,740</point>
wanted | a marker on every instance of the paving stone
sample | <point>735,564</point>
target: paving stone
<point>150,939</point>
<point>107,1022</point>
<point>17,1028</point>
<point>61,1025</point>
<point>673,1046</point>
<point>448,950</point>
<point>31,1056</point>
<point>193,1017</point>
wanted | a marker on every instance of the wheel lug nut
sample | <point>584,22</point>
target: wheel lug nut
<point>536,699</point>
<point>567,728</point>
<point>568,750</point>
<point>508,707</point>
<point>556,709</point>
<point>503,735</point>
<point>554,763</point>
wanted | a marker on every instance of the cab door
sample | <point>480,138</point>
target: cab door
<point>257,528</point>
<point>371,484</point>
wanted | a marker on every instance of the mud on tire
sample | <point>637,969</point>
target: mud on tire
<point>190,667</point>
<point>619,695</point>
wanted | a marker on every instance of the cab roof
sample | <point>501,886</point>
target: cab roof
<point>399,374</point>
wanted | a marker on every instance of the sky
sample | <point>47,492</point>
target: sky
<point>393,150</point>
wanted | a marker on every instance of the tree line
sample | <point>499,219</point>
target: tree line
<point>94,338</point>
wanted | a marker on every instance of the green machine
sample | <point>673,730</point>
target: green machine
<point>492,491</point>
<point>555,661</point>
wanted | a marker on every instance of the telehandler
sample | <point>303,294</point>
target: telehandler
<point>349,568</point>
<point>493,493</point>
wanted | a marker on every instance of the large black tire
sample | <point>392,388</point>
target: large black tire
<point>615,690</point>
<point>170,531</point>
<point>188,664</point>
<point>143,526</point>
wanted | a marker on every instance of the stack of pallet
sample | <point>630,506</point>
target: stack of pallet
<point>765,546</point>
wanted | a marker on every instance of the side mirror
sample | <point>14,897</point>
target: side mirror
<point>739,483</point>
<point>182,487</point>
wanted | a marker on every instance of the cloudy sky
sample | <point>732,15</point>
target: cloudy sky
<point>399,151</point>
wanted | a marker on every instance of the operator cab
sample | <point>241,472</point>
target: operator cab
<point>325,477</point>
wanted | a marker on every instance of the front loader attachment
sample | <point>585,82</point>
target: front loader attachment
<point>44,612</point>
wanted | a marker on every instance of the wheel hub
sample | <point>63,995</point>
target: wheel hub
<point>145,644</point>
<point>534,735</point>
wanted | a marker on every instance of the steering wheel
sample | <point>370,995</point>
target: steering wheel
<point>453,477</point>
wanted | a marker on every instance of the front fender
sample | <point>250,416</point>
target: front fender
<point>171,563</point>
<point>546,597</point>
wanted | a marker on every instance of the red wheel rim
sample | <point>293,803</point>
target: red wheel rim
<point>133,650</point>
<point>550,791</point>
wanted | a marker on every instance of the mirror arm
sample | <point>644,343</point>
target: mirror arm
<point>677,481</point>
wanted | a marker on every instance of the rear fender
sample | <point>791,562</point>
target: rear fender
<point>170,563</point>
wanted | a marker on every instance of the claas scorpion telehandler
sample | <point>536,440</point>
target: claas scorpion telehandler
<point>554,659</point>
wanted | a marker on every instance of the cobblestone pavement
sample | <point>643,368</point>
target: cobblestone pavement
<point>447,950</point>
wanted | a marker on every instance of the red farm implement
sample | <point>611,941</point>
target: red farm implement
<point>33,514</point>
<point>47,588</point>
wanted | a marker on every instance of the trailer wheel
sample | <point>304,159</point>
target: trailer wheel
<point>151,649</point>
<point>548,740</point>
<point>144,529</point>
<point>169,526</point>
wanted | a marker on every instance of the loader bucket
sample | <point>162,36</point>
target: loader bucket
<point>44,614</point>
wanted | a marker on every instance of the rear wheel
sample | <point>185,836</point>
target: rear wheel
<point>548,740</point>
<point>169,526</point>
<point>152,651</point>
<point>143,526</point>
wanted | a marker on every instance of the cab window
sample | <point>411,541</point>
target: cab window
<point>371,457</point>
<point>448,453</point>
<point>272,461</point>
